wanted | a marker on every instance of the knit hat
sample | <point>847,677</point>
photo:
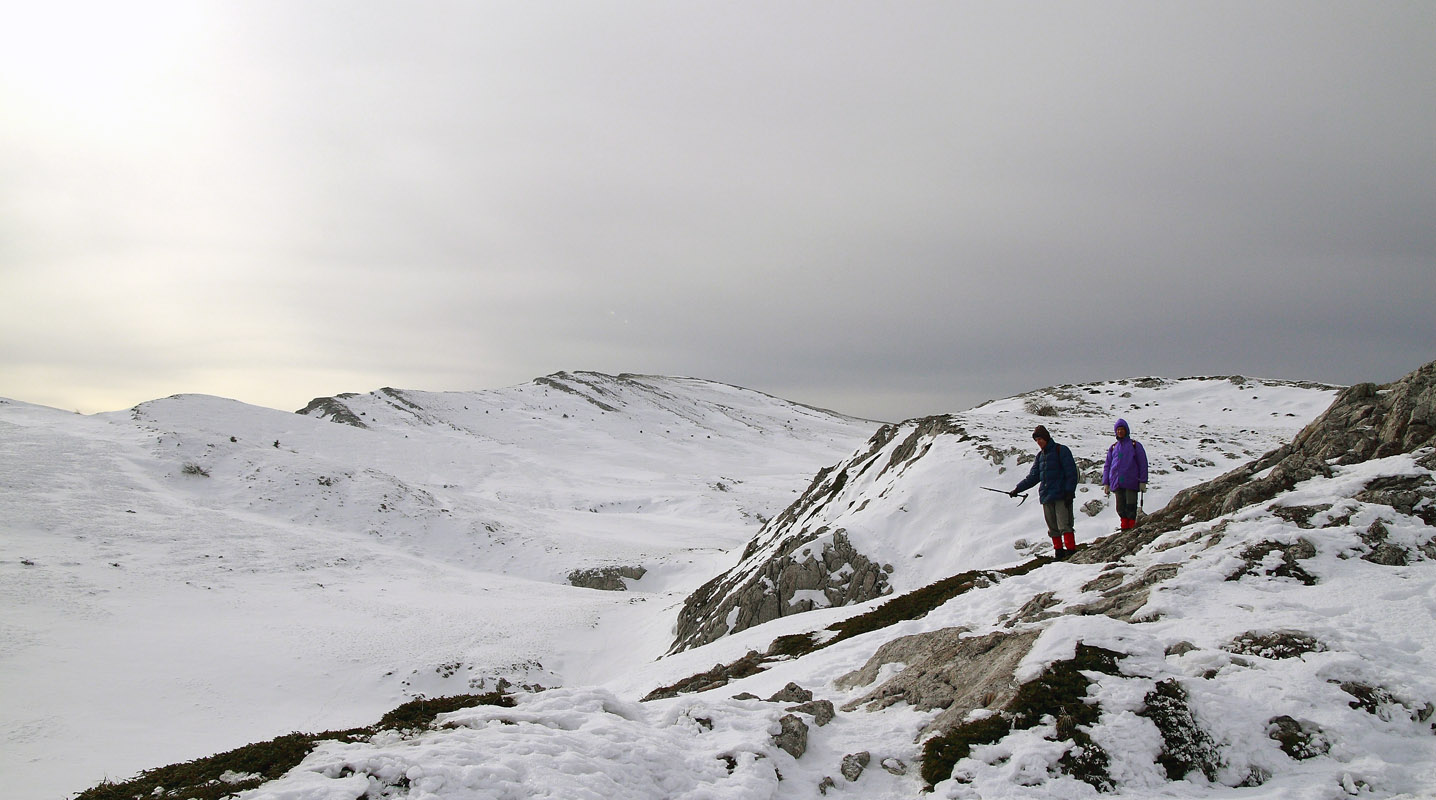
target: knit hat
<point>1041,433</point>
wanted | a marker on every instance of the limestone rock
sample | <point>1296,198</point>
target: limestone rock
<point>854,764</point>
<point>605,578</point>
<point>945,670</point>
<point>332,409</point>
<point>793,738</point>
<point>822,711</point>
<point>833,570</point>
<point>796,563</point>
<point>792,693</point>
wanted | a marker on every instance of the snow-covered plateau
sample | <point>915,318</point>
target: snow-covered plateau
<point>196,574</point>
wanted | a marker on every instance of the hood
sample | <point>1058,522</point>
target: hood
<point>1122,423</point>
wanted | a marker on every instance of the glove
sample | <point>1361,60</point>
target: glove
<point>1141,487</point>
<point>1107,490</point>
<point>1012,493</point>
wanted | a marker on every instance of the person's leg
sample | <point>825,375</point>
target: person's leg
<point>1065,521</point>
<point>1054,527</point>
<point>1127,507</point>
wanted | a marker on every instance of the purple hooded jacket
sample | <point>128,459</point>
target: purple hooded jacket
<point>1126,466</point>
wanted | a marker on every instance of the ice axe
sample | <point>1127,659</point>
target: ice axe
<point>1009,494</point>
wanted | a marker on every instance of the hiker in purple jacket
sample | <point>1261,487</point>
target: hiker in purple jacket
<point>1125,473</point>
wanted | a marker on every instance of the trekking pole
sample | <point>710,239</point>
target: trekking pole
<point>1009,494</point>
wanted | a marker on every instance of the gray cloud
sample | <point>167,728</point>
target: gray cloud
<point>886,210</point>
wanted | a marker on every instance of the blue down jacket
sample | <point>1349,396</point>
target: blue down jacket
<point>1126,466</point>
<point>1056,471</point>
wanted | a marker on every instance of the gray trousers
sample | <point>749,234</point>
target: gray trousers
<point>1058,514</point>
<point>1126,503</point>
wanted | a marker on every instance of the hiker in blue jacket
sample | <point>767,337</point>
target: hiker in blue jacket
<point>1056,472</point>
<point>1125,473</point>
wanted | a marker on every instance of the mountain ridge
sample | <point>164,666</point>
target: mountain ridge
<point>856,517</point>
<point>426,553</point>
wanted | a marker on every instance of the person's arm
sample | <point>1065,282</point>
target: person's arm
<point>1033,476</point>
<point>1069,468</point>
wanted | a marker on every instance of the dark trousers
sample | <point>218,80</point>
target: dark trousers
<point>1126,503</point>
<point>1058,514</point>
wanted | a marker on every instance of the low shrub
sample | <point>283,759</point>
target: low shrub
<point>261,762</point>
<point>201,779</point>
<point>942,752</point>
<point>1186,746</point>
<point>420,712</point>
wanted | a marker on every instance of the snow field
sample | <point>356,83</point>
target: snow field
<point>590,738</point>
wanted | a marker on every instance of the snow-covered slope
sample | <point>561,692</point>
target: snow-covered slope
<point>1272,643</point>
<point>197,573</point>
<point>1267,635</point>
<point>911,508</point>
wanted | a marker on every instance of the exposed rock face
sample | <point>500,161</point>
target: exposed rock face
<point>1365,421</point>
<point>795,554</point>
<point>828,573</point>
<point>1124,599</point>
<point>332,409</point>
<point>580,385</point>
<point>719,675</point>
<point>609,579</point>
<point>944,670</point>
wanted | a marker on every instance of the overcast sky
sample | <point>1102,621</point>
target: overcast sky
<point>890,209</point>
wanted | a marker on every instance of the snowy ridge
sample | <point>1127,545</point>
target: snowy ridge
<point>913,501</point>
<point>503,477</point>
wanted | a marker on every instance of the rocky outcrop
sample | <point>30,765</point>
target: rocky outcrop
<point>609,579</point>
<point>792,736</point>
<point>945,669</point>
<point>854,764</point>
<point>720,675</point>
<point>1364,422</point>
<point>797,563</point>
<point>810,574</point>
<point>580,385</point>
<point>332,409</point>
